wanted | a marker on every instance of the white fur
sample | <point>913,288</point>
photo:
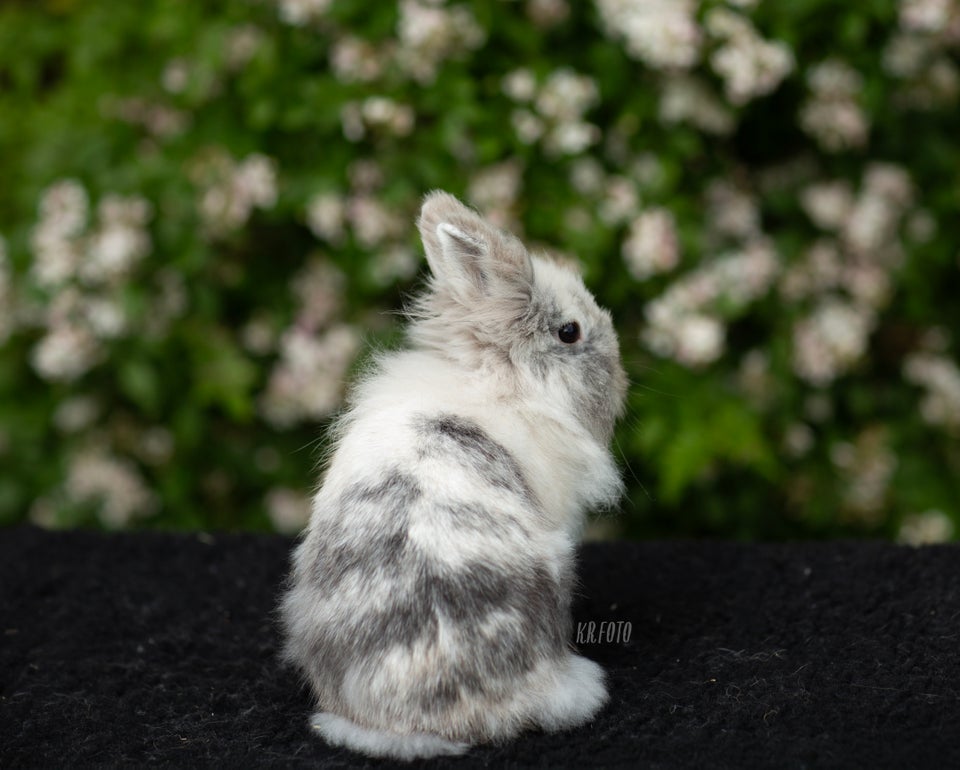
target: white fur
<point>577,694</point>
<point>482,281</point>
<point>379,743</point>
<point>567,468</point>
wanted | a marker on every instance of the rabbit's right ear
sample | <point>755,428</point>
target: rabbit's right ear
<point>467,256</point>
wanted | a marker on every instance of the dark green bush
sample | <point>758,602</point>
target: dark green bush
<point>207,212</point>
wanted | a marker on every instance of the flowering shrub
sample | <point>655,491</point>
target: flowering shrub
<point>207,217</point>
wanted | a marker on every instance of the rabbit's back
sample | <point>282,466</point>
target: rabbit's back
<point>428,589</point>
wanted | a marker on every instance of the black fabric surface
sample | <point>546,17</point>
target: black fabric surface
<point>147,648</point>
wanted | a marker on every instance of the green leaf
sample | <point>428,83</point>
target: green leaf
<point>222,375</point>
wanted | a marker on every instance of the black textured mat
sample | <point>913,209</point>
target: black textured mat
<point>148,648</point>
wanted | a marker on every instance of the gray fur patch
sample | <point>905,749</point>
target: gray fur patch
<point>338,554</point>
<point>478,518</point>
<point>504,620</point>
<point>397,489</point>
<point>423,592</point>
<point>465,599</point>
<point>492,462</point>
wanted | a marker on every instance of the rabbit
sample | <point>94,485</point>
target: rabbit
<point>428,603</point>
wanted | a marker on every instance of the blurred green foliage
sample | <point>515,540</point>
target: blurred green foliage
<point>142,100</point>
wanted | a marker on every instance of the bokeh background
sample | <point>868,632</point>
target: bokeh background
<point>207,223</point>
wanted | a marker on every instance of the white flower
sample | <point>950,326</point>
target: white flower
<point>927,528</point>
<point>395,262</point>
<point>682,322</point>
<point>55,258</point>
<point>828,204</point>
<point>64,207</point>
<point>867,466</point>
<point>740,277</point>
<point>528,127</point>
<point>869,248</point>
<point>351,122</point>
<point>889,182</point>
<point>560,105</point>
<point>160,120</point>
<point>55,239</point>
<point>834,78</point>
<point>837,125</point>
<point>6,294</point>
<point>566,95</point>
<point>873,221</point>
<point>829,341</point>
<point>926,15</point>
<point>686,99</point>
<point>119,242</point>
<point>289,510</point>
<point>648,171</point>
<point>571,137</point>
<point>732,211</point>
<point>520,85</point>
<point>651,247</point>
<point>95,476</point>
<point>354,60</point>
<point>819,269</point>
<point>176,75</point>
<point>940,377</point>
<point>325,216</point>
<point>76,413</point>
<point>937,83</point>
<point>307,381</point>
<point>318,288</point>
<point>547,13</point>
<point>382,111</point>
<point>430,34</point>
<point>906,55</point>
<point>587,176</point>
<point>749,65</point>
<point>868,284</point>
<point>300,12</point>
<point>494,191</point>
<point>699,340</point>
<point>372,222</point>
<point>234,189</point>
<point>242,44</point>
<point>65,353</point>
<point>832,115</point>
<point>620,200</point>
<point>255,181</point>
<point>365,175</point>
<point>376,113</point>
<point>661,33</point>
<point>105,317</point>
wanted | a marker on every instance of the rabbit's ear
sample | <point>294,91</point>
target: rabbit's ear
<point>461,255</point>
<point>466,254</point>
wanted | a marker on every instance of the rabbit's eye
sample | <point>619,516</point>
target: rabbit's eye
<point>569,333</point>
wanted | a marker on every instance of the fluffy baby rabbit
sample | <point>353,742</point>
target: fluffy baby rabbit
<point>429,601</point>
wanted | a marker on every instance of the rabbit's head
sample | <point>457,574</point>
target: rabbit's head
<point>524,319</point>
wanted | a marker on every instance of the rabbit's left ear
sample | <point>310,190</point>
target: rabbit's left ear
<point>465,253</point>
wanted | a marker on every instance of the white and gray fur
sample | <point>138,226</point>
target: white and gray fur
<point>429,602</point>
